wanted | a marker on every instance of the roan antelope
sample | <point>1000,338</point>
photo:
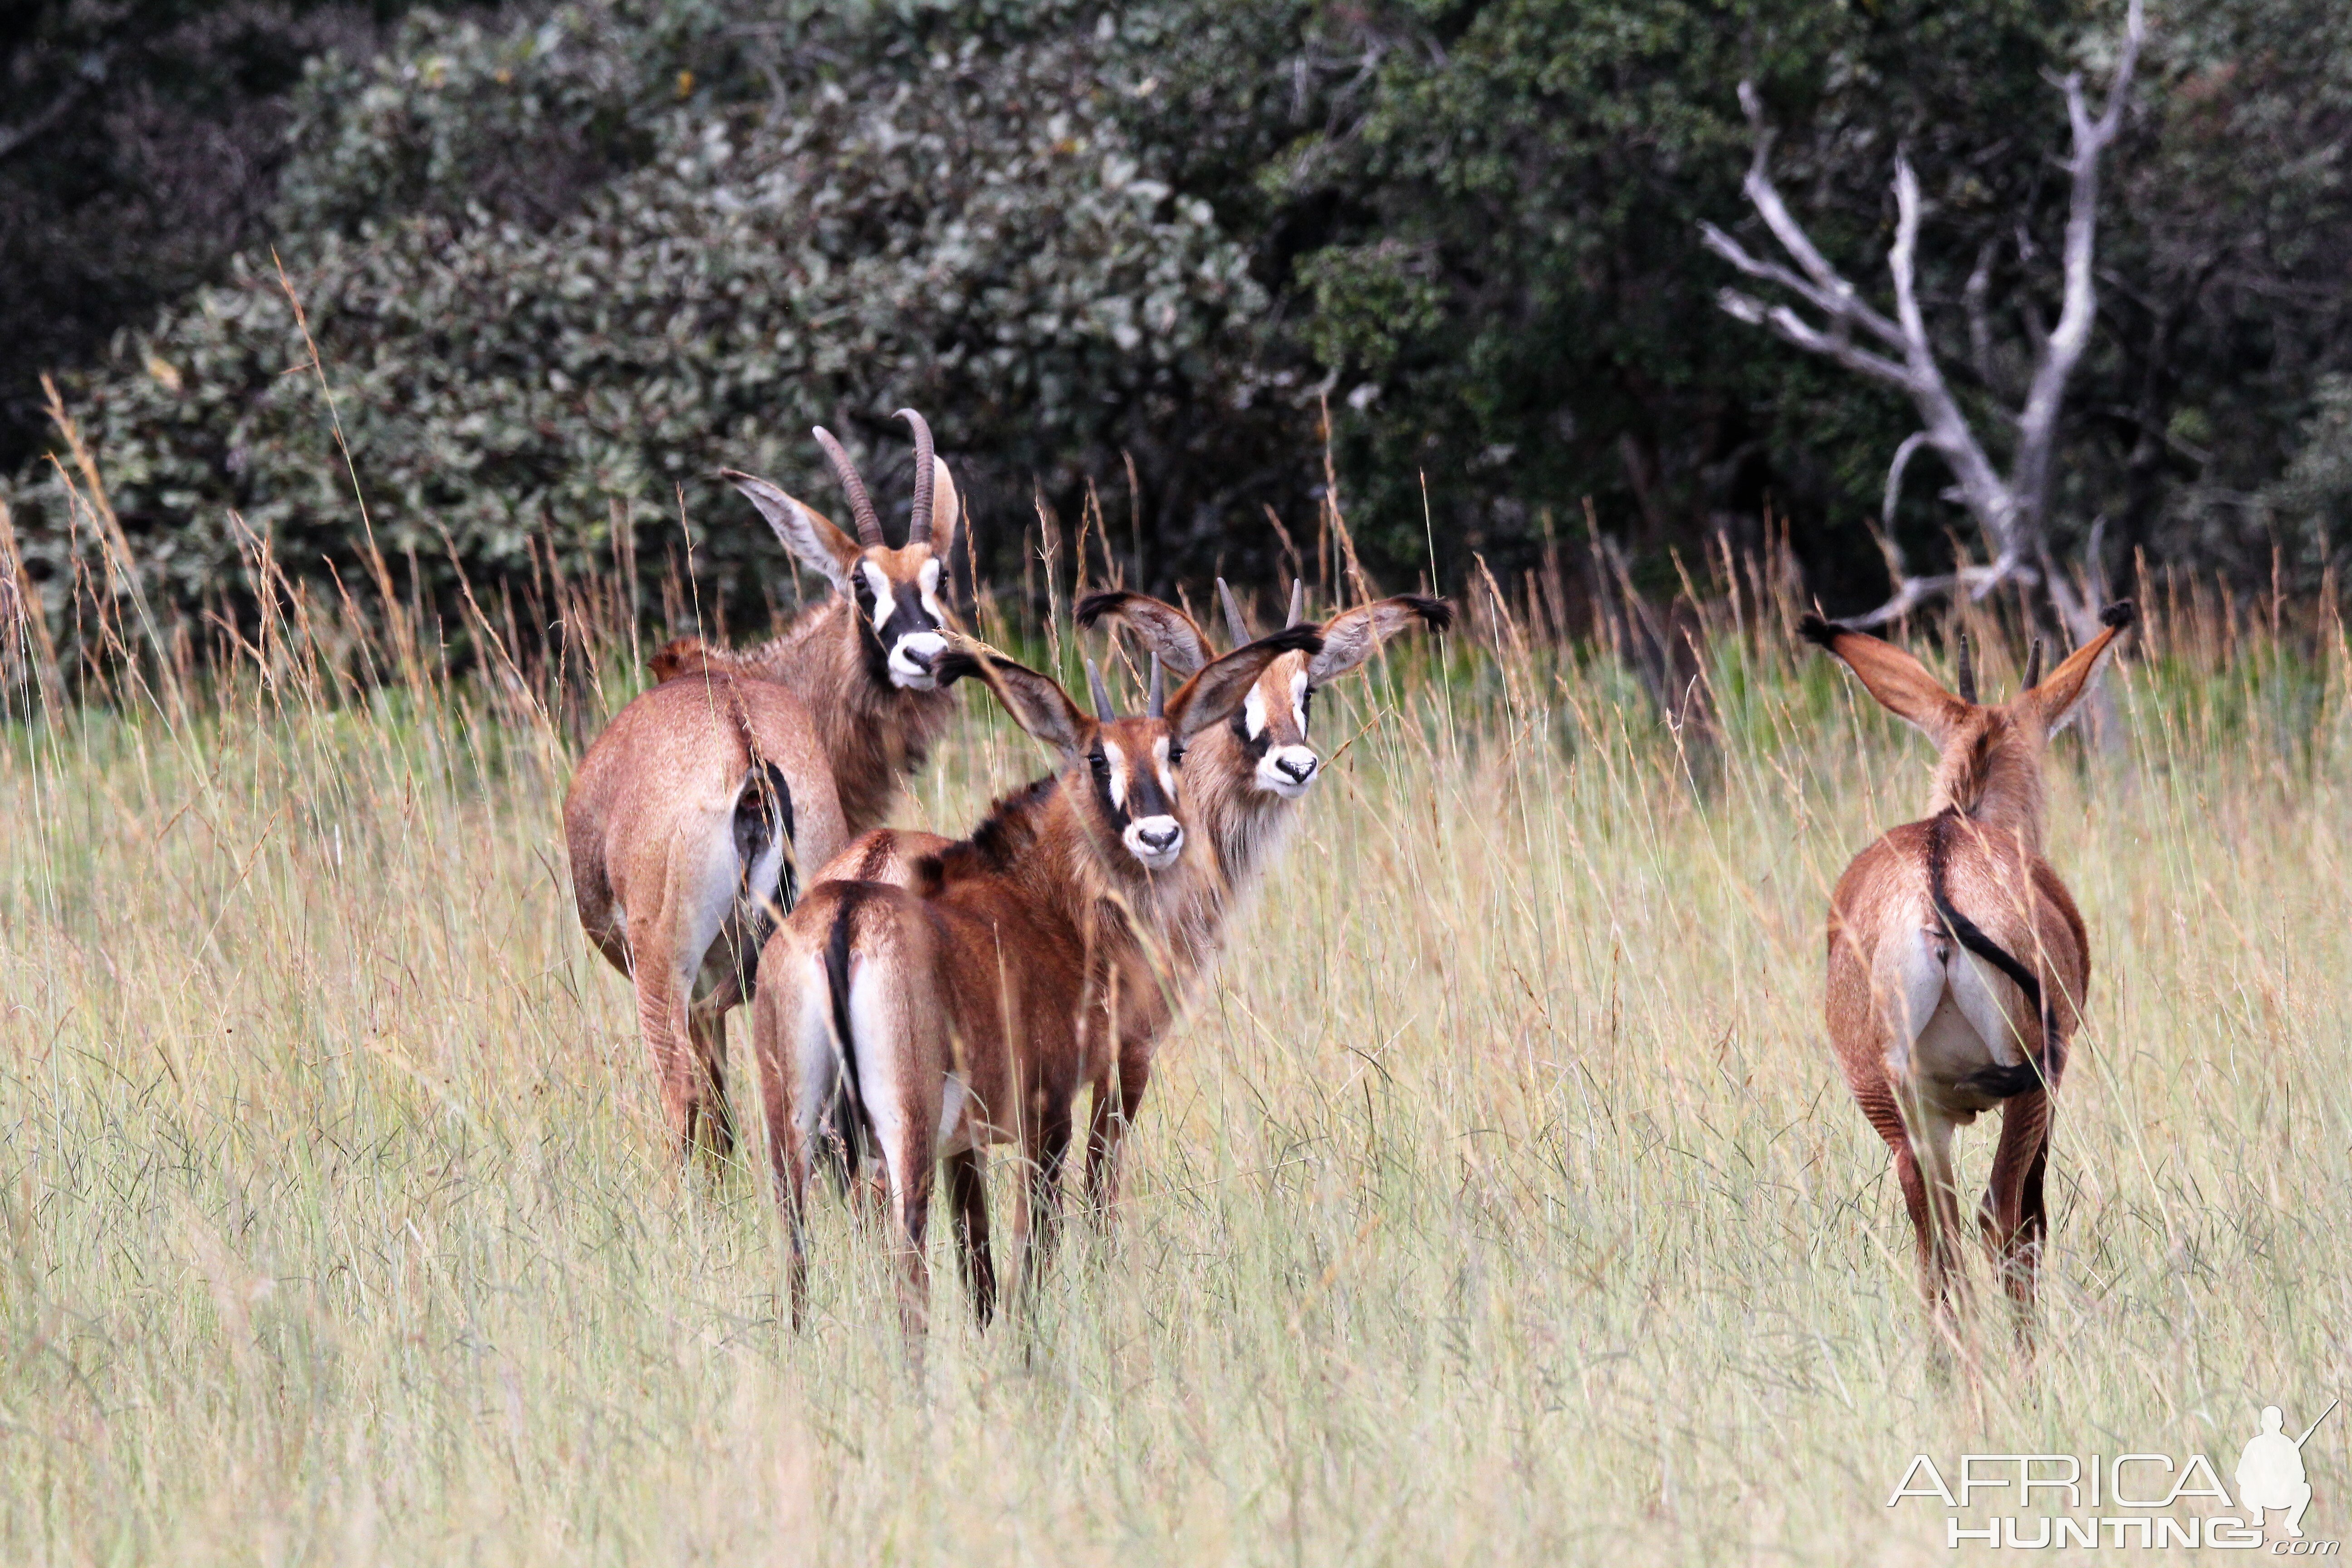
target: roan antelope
<point>695,813</point>
<point>1247,777</point>
<point>1034,958</point>
<point>1957,963</point>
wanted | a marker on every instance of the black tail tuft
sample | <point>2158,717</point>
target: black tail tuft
<point>1814,629</point>
<point>1999,1083</point>
<point>2123,613</point>
<point>1306,637</point>
<point>763,808</point>
<point>1094,606</point>
<point>849,1124</point>
<point>1436,612</point>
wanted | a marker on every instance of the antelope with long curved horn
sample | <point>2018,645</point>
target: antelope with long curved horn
<point>1958,965</point>
<point>698,811</point>
<point>1033,959</point>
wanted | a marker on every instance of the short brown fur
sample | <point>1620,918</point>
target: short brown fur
<point>1935,931</point>
<point>650,818</point>
<point>1031,960</point>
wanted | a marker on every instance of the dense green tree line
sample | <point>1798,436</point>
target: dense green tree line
<point>561,263</point>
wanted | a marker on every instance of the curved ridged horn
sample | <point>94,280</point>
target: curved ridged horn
<point>2033,666</point>
<point>1967,672</point>
<point>861,505</point>
<point>918,527</point>
<point>1101,693</point>
<point>1156,705</point>
<point>1298,601</point>
<point>1235,628</point>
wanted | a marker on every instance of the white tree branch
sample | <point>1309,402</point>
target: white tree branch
<point>1911,444</point>
<point>1988,497</point>
<point>1840,303</point>
<point>2009,509</point>
<point>1786,324</point>
<point>2037,424</point>
<point>1831,293</point>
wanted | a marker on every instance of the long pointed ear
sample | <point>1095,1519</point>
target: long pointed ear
<point>1165,629</point>
<point>947,509</point>
<point>1211,697</point>
<point>1349,638</point>
<point>1901,683</point>
<point>2057,700</point>
<point>814,543</point>
<point>1038,702</point>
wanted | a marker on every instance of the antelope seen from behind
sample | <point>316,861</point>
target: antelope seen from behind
<point>1041,955</point>
<point>695,814</point>
<point>1958,965</point>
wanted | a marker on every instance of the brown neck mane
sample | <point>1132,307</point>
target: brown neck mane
<point>1994,777</point>
<point>873,736</point>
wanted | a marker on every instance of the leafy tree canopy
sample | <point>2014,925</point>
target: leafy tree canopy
<point>560,264</point>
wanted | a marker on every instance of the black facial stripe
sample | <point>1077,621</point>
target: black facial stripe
<point>1098,764</point>
<point>1253,746</point>
<point>1144,795</point>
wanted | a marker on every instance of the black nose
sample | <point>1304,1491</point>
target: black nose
<point>921,658</point>
<point>1158,839</point>
<point>1299,771</point>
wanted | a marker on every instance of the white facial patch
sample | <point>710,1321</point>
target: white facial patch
<point>1156,841</point>
<point>1160,764</point>
<point>1287,770</point>
<point>1254,712</point>
<point>911,659</point>
<point>1117,760</point>
<point>880,584</point>
<point>1298,700</point>
<point>927,582</point>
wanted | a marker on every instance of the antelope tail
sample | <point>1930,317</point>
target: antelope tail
<point>2044,1068</point>
<point>763,820</point>
<point>849,1124</point>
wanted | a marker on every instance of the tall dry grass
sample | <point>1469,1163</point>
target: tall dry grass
<point>1496,1202</point>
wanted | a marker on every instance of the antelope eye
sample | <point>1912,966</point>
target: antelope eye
<point>1176,757</point>
<point>1100,763</point>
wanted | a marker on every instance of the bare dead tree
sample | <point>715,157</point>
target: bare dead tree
<point>2010,510</point>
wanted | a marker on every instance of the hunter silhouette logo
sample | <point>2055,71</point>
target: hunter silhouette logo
<point>2270,1472</point>
<point>2147,1499</point>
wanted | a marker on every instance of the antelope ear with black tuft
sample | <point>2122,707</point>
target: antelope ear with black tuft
<point>2058,702</point>
<point>1212,695</point>
<point>1165,629</point>
<point>1352,636</point>
<point>1900,682</point>
<point>1038,702</point>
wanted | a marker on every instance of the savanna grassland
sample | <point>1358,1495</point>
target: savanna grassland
<point>1496,1202</point>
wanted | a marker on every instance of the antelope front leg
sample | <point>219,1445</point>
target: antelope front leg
<point>1047,1145</point>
